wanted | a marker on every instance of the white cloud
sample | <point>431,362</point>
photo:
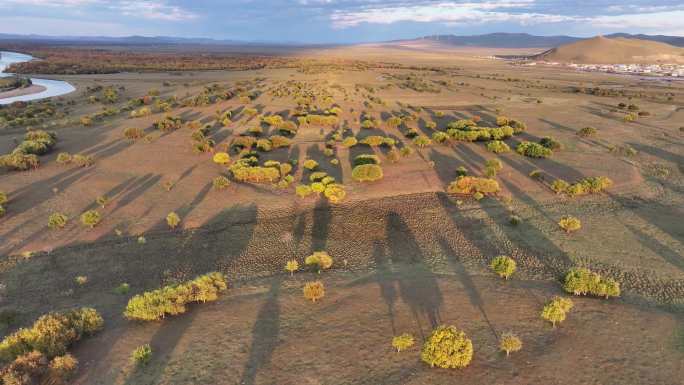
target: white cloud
<point>156,10</point>
<point>451,13</point>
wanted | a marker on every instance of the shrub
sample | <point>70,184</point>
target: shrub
<point>63,367</point>
<point>64,158</point>
<point>447,347</point>
<point>27,369</point>
<point>278,141</point>
<point>335,192</point>
<point>493,166</point>
<point>533,150</point>
<point>220,182</point>
<point>81,280</point>
<point>3,197</point>
<point>406,151</point>
<point>556,310</point>
<point>469,185</point>
<point>142,354</point>
<point>581,281</point>
<point>509,342</point>
<point>402,342</point>
<point>422,141</point>
<point>367,173</point>
<point>440,137</point>
<point>122,289</point>
<point>314,291</point>
<point>514,220</point>
<point>51,334</point>
<point>497,146</point>
<point>502,121</point>
<point>134,133</point>
<point>550,143</point>
<point>310,164</point>
<point>366,159</point>
<point>264,145</point>
<point>19,161</point>
<point>221,158</point>
<point>171,300</point>
<point>373,140</point>
<point>303,190</point>
<point>242,172</point>
<point>319,259</point>
<point>570,224</point>
<point>2,211</point>
<point>292,266</point>
<point>82,160</point>
<point>349,141</point>
<point>560,186</point>
<point>173,220</point>
<point>591,185</point>
<point>169,123</point>
<point>503,266</point>
<point>587,132</point>
<point>90,218</point>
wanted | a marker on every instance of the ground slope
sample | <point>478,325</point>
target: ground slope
<point>601,50</point>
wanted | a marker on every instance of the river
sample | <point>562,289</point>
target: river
<point>52,87</point>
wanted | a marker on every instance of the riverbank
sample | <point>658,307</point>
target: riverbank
<point>30,90</point>
<point>40,88</point>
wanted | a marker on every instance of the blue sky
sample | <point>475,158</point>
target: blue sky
<point>337,21</point>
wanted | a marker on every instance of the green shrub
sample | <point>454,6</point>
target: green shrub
<point>51,334</point>
<point>303,191</point>
<point>122,289</point>
<point>168,123</point>
<point>64,158</point>
<point>82,160</point>
<point>492,167</point>
<point>142,355</point>
<point>590,185</point>
<point>221,182</point>
<point>321,260</point>
<point>366,159</point>
<point>581,281</point>
<point>422,141</point>
<point>440,137</point>
<point>560,186</point>
<point>90,218</point>
<point>550,143</point>
<point>402,342</point>
<point>447,347</point>
<point>514,220</point>
<point>373,140</point>
<point>533,150</point>
<point>278,141</point>
<point>503,266</point>
<point>335,192</point>
<point>497,146</point>
<point>509,342</point>
<point>469,185</point>
<point>172,300</point>
<point>317,187</point>
<point>556,310</point>
<point>310,164</point>
<point>367,173</point>
<point>19,161</point>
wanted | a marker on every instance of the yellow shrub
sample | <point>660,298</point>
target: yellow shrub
<point>314,290</point>
<point>470,185</point>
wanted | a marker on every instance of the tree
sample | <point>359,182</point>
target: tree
<point>320,259</point>
<point>90,218</point>
<point>504,266</point>
<point>570,224</point>
<point>402,342</point>
<point>509,342</point>
<point>447,347</point>
<point>173,220</point>
<point>292,266</point>
<point>314,291</point>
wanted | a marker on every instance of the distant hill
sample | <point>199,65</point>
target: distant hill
<point>502,40</point>
<point>602,50</point>
<point>525,40</point>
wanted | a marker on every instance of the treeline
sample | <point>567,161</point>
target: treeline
<point>14,82</point>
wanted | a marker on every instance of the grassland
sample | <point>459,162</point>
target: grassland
<point>408,255</point>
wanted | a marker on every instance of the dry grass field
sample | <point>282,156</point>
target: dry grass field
<point>409,254</point>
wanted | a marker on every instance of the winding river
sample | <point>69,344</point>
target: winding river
<point>52,87</point>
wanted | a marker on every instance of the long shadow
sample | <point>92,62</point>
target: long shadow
<point>671,256</point>
<point>419,288</point>
<point>467,282</point>
<point>264,334</point>
<point>322,216</point>
<point>386,280</point>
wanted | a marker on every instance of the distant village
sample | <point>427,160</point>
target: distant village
<point>664,70</point>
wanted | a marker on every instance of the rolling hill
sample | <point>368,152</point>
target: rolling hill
<point>603,50</point>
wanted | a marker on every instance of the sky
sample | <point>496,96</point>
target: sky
<point>337,21</point>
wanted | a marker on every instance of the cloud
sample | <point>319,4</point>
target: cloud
<point>155,10</point>
<point>447,12</point>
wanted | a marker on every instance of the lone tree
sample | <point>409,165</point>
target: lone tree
<point>402,342</point>
<point>503,266</point>
<point>510,343</point>
<point>447,347</point>
<point>314,290</point>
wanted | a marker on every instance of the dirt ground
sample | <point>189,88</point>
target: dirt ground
<point>407,255</point>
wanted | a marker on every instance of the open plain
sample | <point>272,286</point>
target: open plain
<point>410,252</point>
